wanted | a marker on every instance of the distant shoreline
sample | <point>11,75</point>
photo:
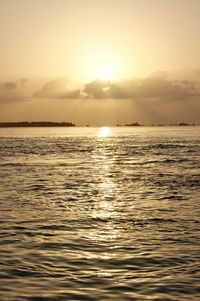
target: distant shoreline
<point>36,124</point>
<point>33,124</point>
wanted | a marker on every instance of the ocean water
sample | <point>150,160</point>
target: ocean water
<point>92,214</point>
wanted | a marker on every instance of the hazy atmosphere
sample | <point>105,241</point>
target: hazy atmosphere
<point>100,62</point>
<point>99,150</point>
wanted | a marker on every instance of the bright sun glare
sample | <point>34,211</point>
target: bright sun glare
<point>104,75</point>
<point>102,64</point>
<point>104,131</point>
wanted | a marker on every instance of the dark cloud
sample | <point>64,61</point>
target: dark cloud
<point>97,89</point>
<point>9,85</point>
<point>12,91</point>
<point>153,87</point>
<point>156,86</point>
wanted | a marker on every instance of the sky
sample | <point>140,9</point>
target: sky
<point>100,62</point>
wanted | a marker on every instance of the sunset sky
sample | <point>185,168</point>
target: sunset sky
<point>100,62</point>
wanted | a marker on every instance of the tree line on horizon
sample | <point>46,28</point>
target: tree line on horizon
<point>35,124</point>
<point>70,124</point>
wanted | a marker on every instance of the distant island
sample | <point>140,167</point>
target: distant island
<point>35,124</point>
<point>161,124</point>
<point>133,124</point>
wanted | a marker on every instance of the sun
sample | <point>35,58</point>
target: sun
<point>102,64</point>
<point>104,75</point>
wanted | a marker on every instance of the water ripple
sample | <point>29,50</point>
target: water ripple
<point>85,217</point>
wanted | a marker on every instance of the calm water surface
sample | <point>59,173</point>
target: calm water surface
<point>88,214</point>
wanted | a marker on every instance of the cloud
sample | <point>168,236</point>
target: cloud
<point>159,74</point>
<point>153,87</point>
<point>156,86</point>
<point>9,85</point>
<point>97,89</point>
<point>12,91</point>
<point>57,88</point>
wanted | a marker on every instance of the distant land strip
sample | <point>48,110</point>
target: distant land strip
<point>35,124</point>
<point>160,124</point>
<point>69,124</point>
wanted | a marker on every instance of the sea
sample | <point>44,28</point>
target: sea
<point>100,213</point>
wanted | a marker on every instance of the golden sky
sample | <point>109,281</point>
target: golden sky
<point>57,46</point>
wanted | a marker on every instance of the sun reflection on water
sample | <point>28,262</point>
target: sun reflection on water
<point>104,131</point>
<point>105,209</point>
